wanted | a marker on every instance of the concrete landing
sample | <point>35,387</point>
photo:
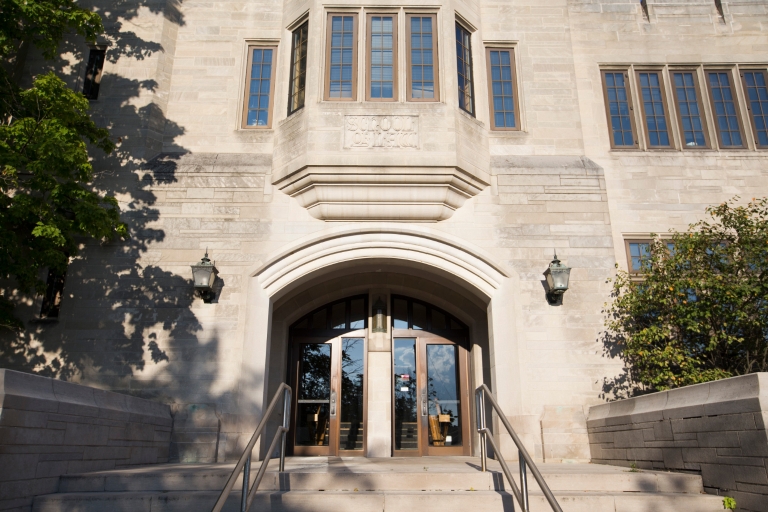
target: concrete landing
<point>336,484</point>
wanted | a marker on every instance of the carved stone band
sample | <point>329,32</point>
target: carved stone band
<point>369,132</point>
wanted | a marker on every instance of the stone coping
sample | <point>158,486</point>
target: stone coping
<point>26,391</point>
<point>742,394</point>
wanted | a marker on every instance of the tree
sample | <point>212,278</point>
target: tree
<point>45,169</point>
<point>699,309</point>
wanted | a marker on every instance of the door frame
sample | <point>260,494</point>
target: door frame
<point>333,448</point>
<point>424,338</point>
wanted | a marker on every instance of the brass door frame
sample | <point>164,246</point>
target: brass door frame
<point>424,338</point>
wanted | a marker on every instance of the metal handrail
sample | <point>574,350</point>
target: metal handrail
<point>521,495</point>
<point>244,463</point>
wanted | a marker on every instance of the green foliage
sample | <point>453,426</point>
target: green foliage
<point>729,503</point>
<point>45,167</point>
<point>699,311</point>
<point>43,23</point>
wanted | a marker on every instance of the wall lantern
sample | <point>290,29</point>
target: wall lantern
<point>204,275</point>
<point>557,280</point>
<point>379,316</point>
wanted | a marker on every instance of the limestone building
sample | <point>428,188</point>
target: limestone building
<point>381,186</point>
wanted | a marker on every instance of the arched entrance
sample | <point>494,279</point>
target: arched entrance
<point>429,382</point>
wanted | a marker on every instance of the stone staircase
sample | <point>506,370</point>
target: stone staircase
<point>319,484</point>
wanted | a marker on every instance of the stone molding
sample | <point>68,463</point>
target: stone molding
<point>416,245</point>
<point>716,429</point>
<point>50,428</point>
<point>412,194</point>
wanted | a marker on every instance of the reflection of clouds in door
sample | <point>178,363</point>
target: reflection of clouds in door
<point>404,356</point>
<point>441,371</point>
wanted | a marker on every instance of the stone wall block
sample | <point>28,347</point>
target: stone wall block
<point>67,428</point>
<point>712,429</point>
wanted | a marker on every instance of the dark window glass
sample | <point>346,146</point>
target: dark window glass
<point>54,288</point>
<point>653,108</point>
<point>639,256</point>
<point>688,109</point>
<point>502,89</point>
<point>438,320</point>
<point>618,109</point>
<point>422,57</point>
<point>444,395</point>
<point>464,66</point>
<point>312,419</point>
<point>339,315</point>
<point>93,73</point>
<point>400,314</point>
<point>382,57</point>
<point>757,98</point>
<point>319,320</point>
<point>298,68</point>
<point>357,314</point>
<point>419,316</point>
<point>342,62</point>
<point>406,396</point>
<point>260,87</point>
<point>724,108</point>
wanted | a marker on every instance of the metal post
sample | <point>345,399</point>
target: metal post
<point>246,482</point>
<point>483,440</point>
<point>523,481</point>
<point>286,424</point>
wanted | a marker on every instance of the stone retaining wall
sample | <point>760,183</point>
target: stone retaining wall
<point>50,428</point>
<point>717,429</point>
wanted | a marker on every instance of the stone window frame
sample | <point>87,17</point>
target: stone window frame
<point>515,93</point>
<point>395,55</point>
<point>637,70</point>
<point>302,24</point>
<point>463,27</point>
<point>435,52</point>
<point>705,124</point>
<point>633,122</point>
<point>355,43</point>
<point>733,75</point>
<point>753,127</point>
<point>246,93</point>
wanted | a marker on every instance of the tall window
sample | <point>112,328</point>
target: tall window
<point>382,59</point>
<point>727,119</point>
<point>93,72</point>
<point>502,90</point>
<point>464,68</point>
<point>341,57</point>
<point>422,54</point>
<point>654,104</point>
<point>259,91</point>
<point>689,111</point>
<point>756,91</point>
<point>620,119</point>
<point>298,80</point>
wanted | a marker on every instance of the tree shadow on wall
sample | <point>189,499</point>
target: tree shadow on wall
<point>119,307</point>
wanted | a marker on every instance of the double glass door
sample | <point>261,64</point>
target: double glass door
<point>328,377</point>
<point>430,397</point>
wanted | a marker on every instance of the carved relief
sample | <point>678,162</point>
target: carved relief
<point>381,132</point>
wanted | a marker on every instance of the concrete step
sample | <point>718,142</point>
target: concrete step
<point>560,477</point>
<point>394,501</point>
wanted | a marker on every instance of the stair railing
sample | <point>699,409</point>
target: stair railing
<point>486,436</point>
<point>244,463</point>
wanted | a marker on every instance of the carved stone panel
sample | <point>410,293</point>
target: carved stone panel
<point>368,132</point>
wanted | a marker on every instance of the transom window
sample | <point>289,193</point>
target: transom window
<point>413,314</point>
<point>343,315</point>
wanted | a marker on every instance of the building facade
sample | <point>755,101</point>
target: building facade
<point>381,187</point>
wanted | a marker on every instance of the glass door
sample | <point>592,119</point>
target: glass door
<point>430,397</point>
<point>329,414</point>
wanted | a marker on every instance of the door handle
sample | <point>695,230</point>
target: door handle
<point>424,403</point>
<point>333,403</point>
